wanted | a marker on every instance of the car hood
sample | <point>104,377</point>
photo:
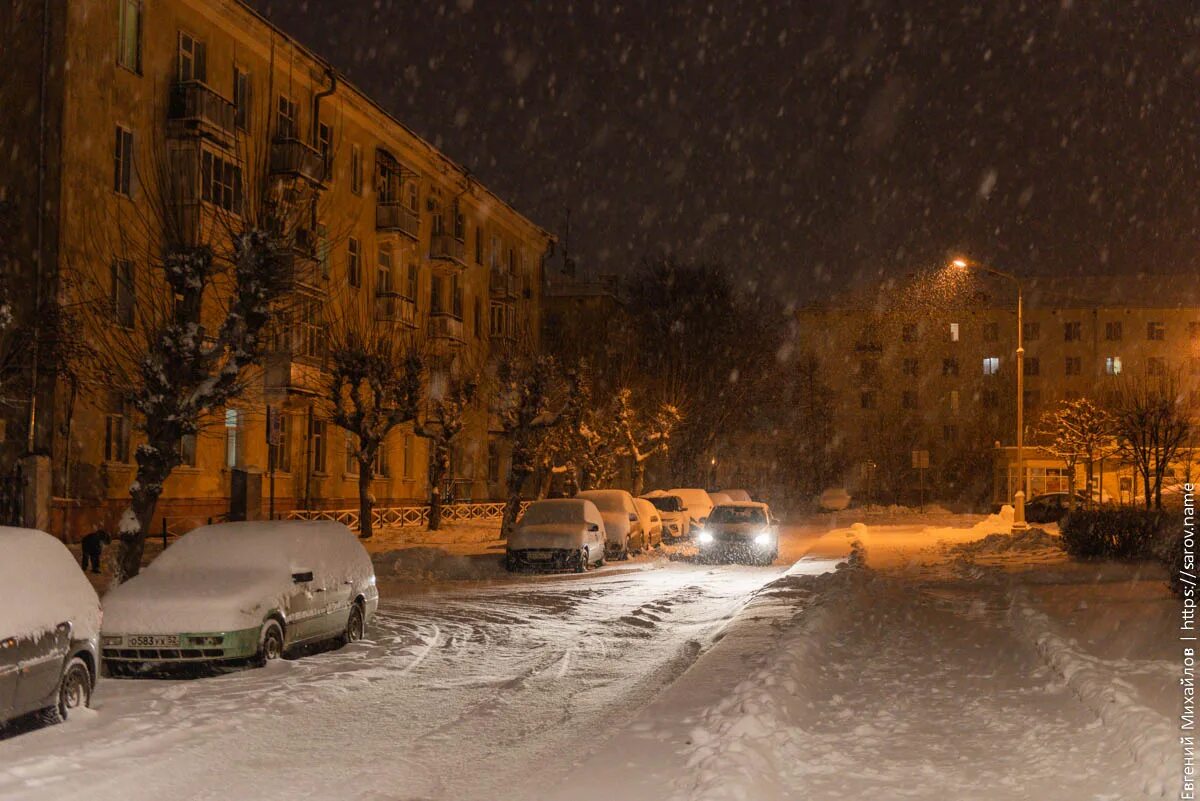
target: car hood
<point>548,535</point>
<point>173,602</point>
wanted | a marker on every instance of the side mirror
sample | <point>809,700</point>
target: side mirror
<point>593,527</point>
<point>302,577</point>
<point>633,518</point>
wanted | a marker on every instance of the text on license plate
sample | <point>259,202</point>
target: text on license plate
<point>154,640</point>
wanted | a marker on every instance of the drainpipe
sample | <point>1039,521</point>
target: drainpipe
<point>317,98</point>
<point>30,440</point>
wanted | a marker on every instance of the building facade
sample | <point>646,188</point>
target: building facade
<point>906,372</point>
<point>105,97</point>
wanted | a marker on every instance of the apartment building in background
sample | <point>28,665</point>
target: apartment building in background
<point>911,367</point>
<point>100,97</point>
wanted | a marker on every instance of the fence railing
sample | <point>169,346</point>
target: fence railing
<point>410,516</point>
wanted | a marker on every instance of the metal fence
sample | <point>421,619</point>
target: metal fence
<point>407,516</point>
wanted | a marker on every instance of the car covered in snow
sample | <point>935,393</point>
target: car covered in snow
<point>737,494</point>
<point>696,504</point>
<point>670,509</point>
<point>49,627</point>
<point>740,530</point>
<point>651,522</point>
<point>719,498</point>
<point>236,592</point>
<point>563,533</point>
<point>622,526</point>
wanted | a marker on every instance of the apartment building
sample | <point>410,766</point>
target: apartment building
<point>910,369</point>
<point>100,97</point>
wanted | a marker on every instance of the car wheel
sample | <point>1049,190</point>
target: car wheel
<point>584,556</point>
<point>75,689</point>
<point>356,627</point>
<point>510,562</point>
<point>270,643</point>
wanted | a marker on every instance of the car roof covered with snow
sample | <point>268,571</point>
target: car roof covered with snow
<point>693,496</point>
<point>41,585</point>
<point>737,494</point>
<point>609,500</point>
<point>561,510</point>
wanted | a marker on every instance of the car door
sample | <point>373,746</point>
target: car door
<point>304,607</point>
<point>338,593</point>
<point>40,661</point>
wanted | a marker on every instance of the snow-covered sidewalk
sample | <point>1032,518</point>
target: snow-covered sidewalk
<point>934,664</point>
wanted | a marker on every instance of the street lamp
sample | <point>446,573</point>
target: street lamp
<point>1019,524</point>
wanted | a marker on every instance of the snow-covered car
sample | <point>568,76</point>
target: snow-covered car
<point>834,499</point>
<point>740,530</point>
<point>241,592</point>
<point>651,522</point>
<point>719,498</point>
<point>696,504</point>
<point>737,494</point>
<point>670,509</point>
<point>622,527</point>
<point>561,533</point>
<point>49,627</point>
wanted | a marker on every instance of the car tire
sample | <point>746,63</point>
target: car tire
<point>510,563</point>
<point>356,625</point>
<point>270,643</point>
<point>584,556</point>
<point>74,688</point>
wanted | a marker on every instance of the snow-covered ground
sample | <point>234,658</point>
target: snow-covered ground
<point>934,664</point>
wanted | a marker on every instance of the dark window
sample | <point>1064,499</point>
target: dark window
<point>187,450</point>
<point>1072,331</point>
<point>1031,331</point>
<point>909,332</point>
<point>991,332</point>
<point>280,450</point>
<point>241,99</point>
<point>479,244</point>
<point>356,173</point>
<point>1032,365</point>
<point>1074,365</point>
<point>121,291</point>
<point>353,263</point>
<point>193,59</point>
<point>318,439</point>
<point>949,367</point>
<point>1156,331</point>
<point>325,145</point>
<point>286,119</point>
<point>129,34</point>
<point>1112,331</point>
<point>867,400</point>
<point>220,182</point>
<point>1156,365</point>
<point>123,162</point>
<point>909,399</point>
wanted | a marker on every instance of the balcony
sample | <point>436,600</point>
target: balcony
<point>395,216</point>
<point>285,372</point>
<point>392,307</point>
<point>444,325</point>
<point>448,248</point>
<point>502,285</point>
<point>291,158</point>
<point>195,109</point>
<point>299,265</point>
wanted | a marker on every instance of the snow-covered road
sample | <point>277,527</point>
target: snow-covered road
<point>468,691</point>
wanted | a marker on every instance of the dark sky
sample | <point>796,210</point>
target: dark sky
<point>816,140</point>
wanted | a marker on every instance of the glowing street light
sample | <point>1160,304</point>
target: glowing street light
<point>1019,524</point>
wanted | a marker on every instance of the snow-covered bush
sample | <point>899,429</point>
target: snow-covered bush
<point>1124,534</point>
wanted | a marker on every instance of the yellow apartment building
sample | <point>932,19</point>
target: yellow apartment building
<point>99,96</point>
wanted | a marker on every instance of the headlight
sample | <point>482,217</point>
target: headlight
<point>763,539</point>
<point>705,537</point>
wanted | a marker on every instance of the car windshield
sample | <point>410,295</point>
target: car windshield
<point>667,503</point>
<point>737,514</point>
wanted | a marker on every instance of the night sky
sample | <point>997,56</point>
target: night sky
<point>815,142</point>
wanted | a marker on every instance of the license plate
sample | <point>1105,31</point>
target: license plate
<point>154,640</point>
<point>537,556</point>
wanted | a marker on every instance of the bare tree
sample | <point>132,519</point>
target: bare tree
<point>1151,426</point>
<point>444,419</point>
<point>372,385</point>
<point>643,432</point>
<point>529,402</point>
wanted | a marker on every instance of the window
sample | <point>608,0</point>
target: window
<point>233,437</point>
<point>1156,331</point>
<point>193,60</point>
<point>383,273</point>
<point>241,99</point>
<point>991,332</point>
<point>318,440</point>
<point>353,265</point>
<point>949,433</point>
<point>413,277</point>
<point>991,365</point>
<point>909,399</point>
<point>410,444</point>
<point>414,195</point>
<point>129,34</point>
<point>479,244</point>
<point>952,332</point>
<point>908,332</point>
<point>116,432</point>
<point>220,182</point>
<point>1112,331</point>
<point>867,400</point>
<point>1033,365</point>
<point>356,170</point>
<point>351,454</point>
<point>478,317</point>
<point>279,450</point>
<point>1112,365</point>
<point>954,401</point>
<point>1074,365</point>
<point>121,291</point>
<point>909,367</point>
<point>990,398</point>
<point>456,295</point>
<point>435,295</point>
<point>1072,331</point>
<point>950,367</point>
<point>1032,398</point>
<point>187,450</point>
<point>123,162</point>
<point>1031,331</point>
<point>286,119</point>
<point>325,145</point>
<point>383,465</point>
<point>493,463</point>
<point>1156,365</point>
<point>460,222</point>
<point>868,369</point>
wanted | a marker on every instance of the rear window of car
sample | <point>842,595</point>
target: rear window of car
<point>737,514</point>
<point>667,503</point>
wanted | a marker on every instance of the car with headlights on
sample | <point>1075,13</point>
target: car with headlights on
<point>740,531</point>
<point>622,526</point>
<point>562,534</point>
<point>670,509</point>
<point>49,627</point>
<point>240,592</point>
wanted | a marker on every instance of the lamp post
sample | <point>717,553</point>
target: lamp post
<point>1019,523</point>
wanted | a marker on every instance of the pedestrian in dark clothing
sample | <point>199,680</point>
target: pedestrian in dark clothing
<point>93,547</point>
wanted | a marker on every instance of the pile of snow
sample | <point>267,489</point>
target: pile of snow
<point>228,576</point>
<point>1032,539</point>
<point>428,564</point>
<point>41,585</point>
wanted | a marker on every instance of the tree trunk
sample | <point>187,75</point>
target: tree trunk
<point>1071,487</point>
<point>366,501</point>
<point>1146,485</point>
<point>143,500</point>
<point>571,482</point>
<point>639,477</point>
<point>546,483</point>
<point>438,465</point>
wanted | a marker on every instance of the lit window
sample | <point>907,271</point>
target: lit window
<point>953,332</point>
<point>1112,365</point>
<point>233,440</point>
<point>991,365</point>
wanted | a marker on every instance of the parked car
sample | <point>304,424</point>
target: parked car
<point>236,592</point>
<point>740,530</point>
<point>561,533</point>
<point>650,521</point>
<point>719,498</point>
<point>670,509</point>
<point>696,504</point>
<point>49,627</point>
<point>737,494</point>
<point>622,527</point>
<point>1050,507</point>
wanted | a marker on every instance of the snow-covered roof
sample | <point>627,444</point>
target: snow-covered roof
<point>41,585</point>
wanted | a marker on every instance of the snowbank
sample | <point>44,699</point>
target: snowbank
<point>41,585</point>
